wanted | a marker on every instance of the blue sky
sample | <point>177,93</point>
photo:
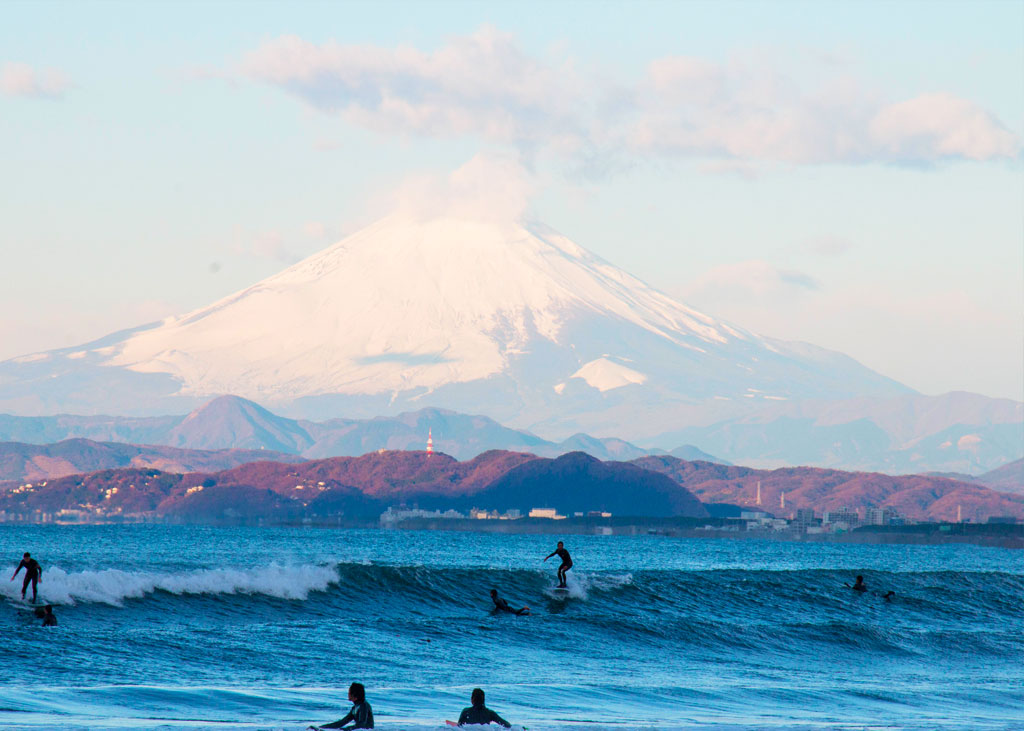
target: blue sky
<point>848,174</point>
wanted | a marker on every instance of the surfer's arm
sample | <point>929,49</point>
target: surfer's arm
<point>495,718</point>
<point>550,555</point>
<point>22,566</point>
<point>339,723</point>
<point>464,717</point>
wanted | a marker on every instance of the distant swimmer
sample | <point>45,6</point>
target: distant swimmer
<point>858,585</point>
<point>478,713</point>
<point>566,563</point>
<point>889,595</point>
<point>500,605</point>
<point>361,713</point>
<point>33,575</point>
<point>49,620</point>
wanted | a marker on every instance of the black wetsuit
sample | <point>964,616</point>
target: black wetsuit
<point>49,620</point>
<point>33,572</point>
<point>502,605</point>
<point>566,564</point>
<point>480,715</point>
<point>361,713</point>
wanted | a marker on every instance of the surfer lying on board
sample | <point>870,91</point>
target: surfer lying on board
<point>566,563</point>
<point>33,575</point>
<point>49,620</point>
<point>500,605</point>
<point>478,713</point>
<point>361,712</point>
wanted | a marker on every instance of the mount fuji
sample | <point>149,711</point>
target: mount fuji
<point>511,320</point>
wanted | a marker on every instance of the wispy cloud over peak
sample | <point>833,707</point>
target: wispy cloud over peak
<point>22,80</point>
<point>492,188</point>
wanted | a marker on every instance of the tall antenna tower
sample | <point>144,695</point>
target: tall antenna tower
<point>430,442</point>
<point>759,492</point>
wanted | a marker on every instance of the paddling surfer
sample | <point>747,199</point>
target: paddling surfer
<point>859,584</point>
<point>500,605</point>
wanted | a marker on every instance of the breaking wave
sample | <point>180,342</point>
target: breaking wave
<point>112,586</point>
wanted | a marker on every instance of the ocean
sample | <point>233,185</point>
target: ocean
<point>179,627</point>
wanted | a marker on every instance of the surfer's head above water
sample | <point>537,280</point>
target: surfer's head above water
<point>356,693</point>
<point>477,697</point>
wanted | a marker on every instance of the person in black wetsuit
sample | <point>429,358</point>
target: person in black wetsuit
<point>566,563</point>
<point>500,605</point>
<point>33,575</point>
<point>478,713</point>
<point>859,584</point>
<point>361,712</point>
<point>49,620</point>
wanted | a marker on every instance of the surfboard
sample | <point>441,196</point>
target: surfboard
<point>451,723</point>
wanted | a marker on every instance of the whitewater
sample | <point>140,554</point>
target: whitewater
<point>182,627</point>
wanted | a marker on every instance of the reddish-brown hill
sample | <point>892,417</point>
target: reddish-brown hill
<point>362,486</point>
<point>388,475</point>
<point>915,496</point>
<point>107,492</point>
<point>577,482</point>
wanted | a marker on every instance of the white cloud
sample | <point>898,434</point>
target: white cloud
<point>736,115</point>
<point>492,188</point>
<point>935,126</point>
<point>481,84</point>
<point>20,79</point>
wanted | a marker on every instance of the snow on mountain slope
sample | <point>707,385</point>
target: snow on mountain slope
<point>402,305</point>
<point>508,319</point>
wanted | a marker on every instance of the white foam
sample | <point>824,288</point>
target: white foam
<point>112,586</point>
<point>579,585</point>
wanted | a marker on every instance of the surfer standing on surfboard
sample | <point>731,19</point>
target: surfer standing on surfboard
<point>566,563</point>
<point>33,575</point>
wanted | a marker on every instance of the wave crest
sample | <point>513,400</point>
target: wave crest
<point>112,586</point>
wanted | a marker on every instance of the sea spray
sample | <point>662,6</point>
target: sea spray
<point>113,586</point>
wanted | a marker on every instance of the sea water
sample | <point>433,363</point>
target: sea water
<point>194,627</point>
